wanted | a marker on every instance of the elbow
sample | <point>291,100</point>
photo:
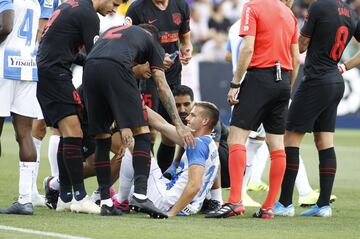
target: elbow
<point>248,51</point>
<point>6,30</point>
<point>296,62</point>
<point>302,49</point>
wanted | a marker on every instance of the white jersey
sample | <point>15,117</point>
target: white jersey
<point>234,41</point>
<point>205,154</point>
<point>18,51</point>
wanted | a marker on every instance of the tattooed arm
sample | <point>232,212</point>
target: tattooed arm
<point>168,102</point>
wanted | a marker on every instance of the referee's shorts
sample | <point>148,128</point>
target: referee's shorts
<point>262,99</point>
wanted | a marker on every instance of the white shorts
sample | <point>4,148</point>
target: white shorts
<point>260,132</point>
<point>18,97</point>
<point>156,190</point>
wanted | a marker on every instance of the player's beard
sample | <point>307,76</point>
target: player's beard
<point>183,116</point>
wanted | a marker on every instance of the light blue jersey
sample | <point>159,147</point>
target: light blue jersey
<point>18,51</point>
<point>205,154</point>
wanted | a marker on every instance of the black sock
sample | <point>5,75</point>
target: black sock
<point>327,171</point>
<point>292,168</point>
<point>74,162</point>
<point>102,166</point>
<point>165,156</point>
<point>141,163</point>
<point>64,178</point>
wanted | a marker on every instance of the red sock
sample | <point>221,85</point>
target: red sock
<point>277,171</point>
<point>237,164</point>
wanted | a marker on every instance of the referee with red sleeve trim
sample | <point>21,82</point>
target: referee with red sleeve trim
<point>269,53</point>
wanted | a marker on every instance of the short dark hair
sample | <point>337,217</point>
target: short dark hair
<point>183,90</point>
<point>210,110</point>
<point>151,29</point>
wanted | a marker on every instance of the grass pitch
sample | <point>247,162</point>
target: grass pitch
<point>345,222</point>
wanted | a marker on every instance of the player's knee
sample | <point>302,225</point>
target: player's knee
<point>143,138</point>
<point>322,142</point>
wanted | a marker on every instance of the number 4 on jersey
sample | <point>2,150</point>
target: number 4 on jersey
<point>25,30</point>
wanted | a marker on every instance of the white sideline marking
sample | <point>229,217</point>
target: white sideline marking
<point>42,233</point>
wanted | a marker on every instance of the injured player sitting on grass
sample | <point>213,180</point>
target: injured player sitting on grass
<point>185,192</point>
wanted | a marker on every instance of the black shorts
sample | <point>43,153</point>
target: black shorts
<point>224,164</point>
<point>314,107</point>
<point>150,94</point>
<point>111,93</point>
<point>58,99</point>
<point>262,100</point>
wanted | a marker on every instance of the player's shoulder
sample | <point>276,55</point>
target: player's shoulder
<point>180,3</point>
<point>138,4</point>
<point>204,140</point>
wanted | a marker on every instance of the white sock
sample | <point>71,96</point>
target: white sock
<point>126,177</point>
<point>108,202</point>
<point>140,196</point>
<point>55,183</point>
<point>216,194</point>
<point>302,182</point>
<point>259,165</point>
<point>37,144</point>
<point>52,154</point>
<point>25,181</point>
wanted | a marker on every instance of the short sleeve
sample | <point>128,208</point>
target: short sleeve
<point>294,39</point>
<point>310,21</point>
<point>131,12</point>
<point>90,29</point>
<point>6,5</point>
<point>185,24</point>
<point>199,154</point>
<point>47,8</point>
<point>248,21</point>
<point>156,55</point>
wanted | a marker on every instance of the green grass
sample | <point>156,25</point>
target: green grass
<point>345,222</point>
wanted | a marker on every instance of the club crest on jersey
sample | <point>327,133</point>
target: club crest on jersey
<point>176,18</point>
<point>49,3</point>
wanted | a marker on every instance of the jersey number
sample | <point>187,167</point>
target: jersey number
<point>25,30</point>
<point>113,33</point>
<point>340,43</point>
<point>51,20</point>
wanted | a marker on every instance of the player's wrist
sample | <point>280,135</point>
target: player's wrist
<point>342,68</point>
<point>234,85</point>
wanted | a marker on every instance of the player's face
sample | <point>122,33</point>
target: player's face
<point>195,119</point>
<point>108,6</point>
<point>183,105</point>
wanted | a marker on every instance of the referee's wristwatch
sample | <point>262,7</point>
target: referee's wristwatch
<point>234,85</point>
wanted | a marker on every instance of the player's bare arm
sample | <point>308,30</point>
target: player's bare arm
<point>246,53</point>
<point>168,102</point>
<point>196,173</point>
<point>352,62</point>
<point>186,48</point>
<point>303,43</point>
<point>6,23</point>
<point>160,124</point>
<point>295,63</point>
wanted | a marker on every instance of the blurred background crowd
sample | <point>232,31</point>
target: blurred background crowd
<point>211,20</point>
